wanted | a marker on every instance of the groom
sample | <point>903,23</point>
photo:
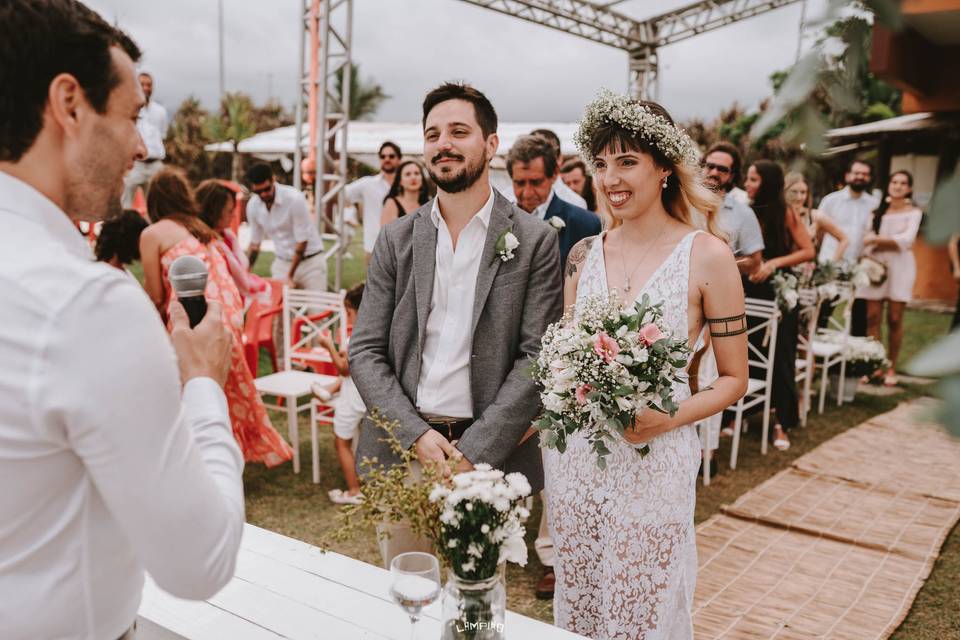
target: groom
<point>451,315</point>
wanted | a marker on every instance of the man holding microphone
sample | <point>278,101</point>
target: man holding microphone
<point>115,444</point>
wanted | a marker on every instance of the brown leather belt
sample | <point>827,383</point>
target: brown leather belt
<point>450,428</point>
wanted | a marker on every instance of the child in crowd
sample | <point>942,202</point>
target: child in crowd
<point>119,241</point>
<point>349,409</point>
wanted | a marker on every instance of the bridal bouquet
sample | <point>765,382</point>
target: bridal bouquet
<point>601,369</point>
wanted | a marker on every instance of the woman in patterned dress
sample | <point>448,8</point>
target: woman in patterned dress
<point>177,231</point>
<point>626,553</point>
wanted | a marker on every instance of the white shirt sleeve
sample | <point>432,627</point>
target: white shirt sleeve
<point>302,225</point>
<point>256,230</point>
<point>354,191</point>
<point>168,469</point>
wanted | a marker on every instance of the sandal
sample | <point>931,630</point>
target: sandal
<point>339,496</point>
<point>891,379</point>
<point>781,444</point>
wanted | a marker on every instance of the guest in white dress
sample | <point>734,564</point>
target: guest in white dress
<point>626,551</point>
<point>896,223</point>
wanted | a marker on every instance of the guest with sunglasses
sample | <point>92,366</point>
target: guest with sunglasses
<point>280,212</point>
<point>370,192</point>
<point>738,222</point>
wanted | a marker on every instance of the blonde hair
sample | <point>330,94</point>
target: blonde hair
<point>791,179</point>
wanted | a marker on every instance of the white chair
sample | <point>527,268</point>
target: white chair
<point>832,354</point>
<point>809,313</point>
<point>758,389</point>
<point>311,312</point>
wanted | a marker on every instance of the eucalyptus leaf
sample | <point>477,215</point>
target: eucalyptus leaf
<point>939,359</point>
<point>942,211</point>
<point>949,389</point>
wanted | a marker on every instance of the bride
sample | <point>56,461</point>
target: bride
<point>626,553</point>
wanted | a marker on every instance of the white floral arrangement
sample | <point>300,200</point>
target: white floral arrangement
<point>599,370</point>
<point>864,355</point>
<point>557,223</point>
<point>626,112</point>
<point>786,287</point>
<point>506,244</point>
<point>481,521</point>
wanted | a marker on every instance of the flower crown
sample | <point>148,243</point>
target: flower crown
<point>621,110</point>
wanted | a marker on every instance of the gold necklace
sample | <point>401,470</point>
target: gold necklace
<point>623,261</point>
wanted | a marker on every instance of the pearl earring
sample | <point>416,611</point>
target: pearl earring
<point>665,180</point>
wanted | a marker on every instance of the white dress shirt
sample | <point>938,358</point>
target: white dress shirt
<point>369,191</point>
<point>854,217</point>
<point>106,470</point>
<point>287,223</point>
<point>152,124</point>
<point>444,386</point>
<point>541,211</point>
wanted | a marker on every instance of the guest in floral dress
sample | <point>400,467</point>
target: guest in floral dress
<point>177,231</point>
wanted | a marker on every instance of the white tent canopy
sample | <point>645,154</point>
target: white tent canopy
<point>364,139</point>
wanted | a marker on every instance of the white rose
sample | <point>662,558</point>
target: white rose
<point>791,297</point>
<point>510,242</point>
<point>514,549</point>
<point>557,223</point>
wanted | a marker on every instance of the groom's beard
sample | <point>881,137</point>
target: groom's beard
<point>460,181</point>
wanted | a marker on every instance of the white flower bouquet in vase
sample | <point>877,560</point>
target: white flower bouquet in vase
<point>599,370</point>
<point>481,528</point>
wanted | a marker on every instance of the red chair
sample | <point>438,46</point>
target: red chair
<point>258,329</point>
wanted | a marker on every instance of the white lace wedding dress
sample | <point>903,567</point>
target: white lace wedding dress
<point>626,559</point>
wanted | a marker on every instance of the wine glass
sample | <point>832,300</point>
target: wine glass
<point>414,584</point>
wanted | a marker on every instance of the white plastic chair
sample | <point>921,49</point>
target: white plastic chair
<point>758,389</point>
<point>810,312</point>
<point>303,307</point>
<point>832,354</point>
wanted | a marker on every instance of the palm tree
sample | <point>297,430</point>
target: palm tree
<point>187,138</point>
<point>234,124</point>
<point>365,96</point>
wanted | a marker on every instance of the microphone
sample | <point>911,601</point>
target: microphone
<point>188,277</point>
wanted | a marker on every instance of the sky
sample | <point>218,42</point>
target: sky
<point>530,72</point>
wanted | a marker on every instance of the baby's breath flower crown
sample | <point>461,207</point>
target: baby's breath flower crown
<point>621,110</point>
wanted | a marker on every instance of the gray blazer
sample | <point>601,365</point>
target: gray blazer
<point>515,301</point>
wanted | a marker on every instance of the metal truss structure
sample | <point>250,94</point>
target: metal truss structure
<point>326,37</point>
<point>325,51</point>
<point>596,21</point>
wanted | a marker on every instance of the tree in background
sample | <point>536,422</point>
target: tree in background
<point>366,96</point>
<point>841,91</point>
<point>233,124</point>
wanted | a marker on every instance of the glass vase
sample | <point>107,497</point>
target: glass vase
<point>474,609</point>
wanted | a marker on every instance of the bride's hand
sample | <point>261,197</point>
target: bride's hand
<point>647,426</point>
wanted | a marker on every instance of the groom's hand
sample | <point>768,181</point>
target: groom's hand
<point>433,448</point>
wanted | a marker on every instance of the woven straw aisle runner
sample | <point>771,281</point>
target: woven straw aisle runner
<point>838,545</point>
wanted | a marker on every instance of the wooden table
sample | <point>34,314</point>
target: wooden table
<point>285,588</point>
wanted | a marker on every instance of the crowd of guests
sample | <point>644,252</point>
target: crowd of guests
<point>775,227</point>
<point>766,216</point>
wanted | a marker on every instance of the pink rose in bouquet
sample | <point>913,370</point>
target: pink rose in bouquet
<point>650,333</point>
<point>606,347</point>
<point>581,393</point>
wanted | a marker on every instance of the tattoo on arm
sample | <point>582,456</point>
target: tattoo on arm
<point>727,327</point>
<point>578,255</point>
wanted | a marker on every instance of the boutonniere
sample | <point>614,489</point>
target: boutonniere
<point>506,243</point>
<point>557,223</point>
